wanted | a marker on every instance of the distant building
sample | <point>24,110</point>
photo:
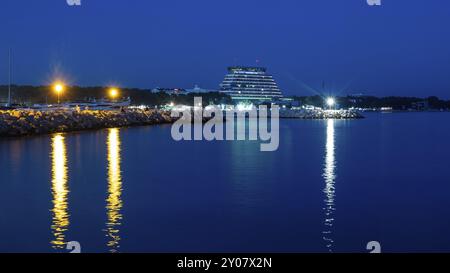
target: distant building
<point>421,105</point>
<point>357,95</point>
<point>197,89</point>
<point>250,84</point>
<point>170,91</point>
<point>287,102</point>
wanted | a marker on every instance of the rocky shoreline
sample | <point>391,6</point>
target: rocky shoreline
<point>32,122</point>
<point>15,123</point>
<point>320,114</point>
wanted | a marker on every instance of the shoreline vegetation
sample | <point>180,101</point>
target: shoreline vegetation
<point>372,103</point>
<point>29,95</point>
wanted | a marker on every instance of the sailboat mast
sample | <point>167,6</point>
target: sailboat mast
<point>9,79</point>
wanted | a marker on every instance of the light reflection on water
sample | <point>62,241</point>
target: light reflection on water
<point>329,175</point>
<point>114,201</point>
<point>241,199</point>
<point>60,191</point>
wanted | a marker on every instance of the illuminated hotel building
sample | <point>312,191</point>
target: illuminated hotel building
<point>250,84</point>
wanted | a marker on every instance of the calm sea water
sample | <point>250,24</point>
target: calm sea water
<point>331,186</point>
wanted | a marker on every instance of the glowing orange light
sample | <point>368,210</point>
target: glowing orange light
<point>58,87</point>
<point>113,93</point>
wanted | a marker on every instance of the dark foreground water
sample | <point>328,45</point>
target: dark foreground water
<point>331,186</point>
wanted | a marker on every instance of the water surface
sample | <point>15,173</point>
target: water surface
<point>332,186</point>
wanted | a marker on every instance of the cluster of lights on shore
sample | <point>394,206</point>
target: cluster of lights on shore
<point>59,88</point>
<point>113,93</point>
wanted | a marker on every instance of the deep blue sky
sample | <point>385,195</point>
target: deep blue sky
<point>400,48</point>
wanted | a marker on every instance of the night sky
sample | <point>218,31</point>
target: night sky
<point>400,48</point>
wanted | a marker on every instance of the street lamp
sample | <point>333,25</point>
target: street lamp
<point>331,102</point>
<point>59,89</point>
<point>113,93</point>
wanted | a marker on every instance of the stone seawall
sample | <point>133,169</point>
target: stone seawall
<point>320,114</point>
<point>31,122</point>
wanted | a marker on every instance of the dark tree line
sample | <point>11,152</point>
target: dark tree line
<point>28,95</point>
<point>397,103</point>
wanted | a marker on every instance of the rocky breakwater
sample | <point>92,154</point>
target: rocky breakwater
<point>320,114</point>
<point>30,122</point>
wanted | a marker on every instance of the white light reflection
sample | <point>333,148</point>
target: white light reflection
<point>329,174</point>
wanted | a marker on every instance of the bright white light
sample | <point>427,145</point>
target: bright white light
<point>331,102</point>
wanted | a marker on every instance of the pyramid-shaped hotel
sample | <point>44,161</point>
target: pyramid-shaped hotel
<point>250,84</point>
